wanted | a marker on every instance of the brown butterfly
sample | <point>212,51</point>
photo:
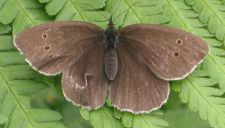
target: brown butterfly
<point>131,65</point>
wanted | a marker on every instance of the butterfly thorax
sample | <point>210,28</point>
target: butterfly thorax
<point>110,58</point>
<point>111,36</point>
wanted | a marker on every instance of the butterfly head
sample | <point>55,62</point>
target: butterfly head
<point>111,24</point>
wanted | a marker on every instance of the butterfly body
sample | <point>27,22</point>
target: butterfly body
<point>111,41</point>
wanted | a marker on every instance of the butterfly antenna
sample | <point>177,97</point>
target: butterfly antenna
<point>96,10</point>
<point>126,10</point>
<point>114,11</point>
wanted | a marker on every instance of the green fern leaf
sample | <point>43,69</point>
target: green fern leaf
<point>212,13</point>
<point>148,11</point>
<point>54,6</point>
<point>22,14</point>
<point>202,95</point>
<point>5,43</point>
<point>143,120</point>
<point>6,6</point>
<point>3,119</point>
<point>101,118</point>
<point>4,29</point>
<point>179,115</point>
<point>214,65</point>
<point>78,10</point>
<point>105,118</point>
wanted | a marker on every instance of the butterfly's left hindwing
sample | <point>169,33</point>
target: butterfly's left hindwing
<point>52,47</point>
<point>84,82</point>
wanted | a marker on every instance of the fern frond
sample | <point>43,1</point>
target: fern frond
<point>200,89</point>
<point>143,120</point>
<point>223,1</point>
<point>4,29</point>
<point>211,13</point>
<point>5,43</point>
<point>101,118</point>
<point>3,120</point>
<point>16,87</point>
<point>215,66</point>
<point>54,6</point>
<point>22,14</point>
<point>130,12</point>
<point>202,95</point>
<point>179,115</point>
<point>78,10</point>
<point>104,118</point>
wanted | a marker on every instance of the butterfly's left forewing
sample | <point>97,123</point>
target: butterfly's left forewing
<point>136,89</point>
<point>52,47</point>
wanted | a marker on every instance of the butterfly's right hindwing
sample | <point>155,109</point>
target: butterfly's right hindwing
<point>136,89</point>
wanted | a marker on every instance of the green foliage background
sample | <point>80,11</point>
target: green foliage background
<point>31,100</point>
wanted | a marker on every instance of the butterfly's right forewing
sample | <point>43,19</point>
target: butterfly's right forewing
<point>171,54</point>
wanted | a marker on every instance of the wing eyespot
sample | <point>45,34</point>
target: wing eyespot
<point>44,36</point>
<point>179,41</point>
<point>51,56</point>
<point>176,54</point>
<point>47,48</point>
<point>140,89</point>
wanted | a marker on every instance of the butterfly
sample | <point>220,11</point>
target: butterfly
<point>132,66</point>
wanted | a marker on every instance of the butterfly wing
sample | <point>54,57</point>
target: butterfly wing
<point>169,53</point>
<point>52,47</point>
<point>84,82</point>
<point>136,89</point>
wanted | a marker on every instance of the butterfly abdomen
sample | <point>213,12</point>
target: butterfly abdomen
<point>111,63</point>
